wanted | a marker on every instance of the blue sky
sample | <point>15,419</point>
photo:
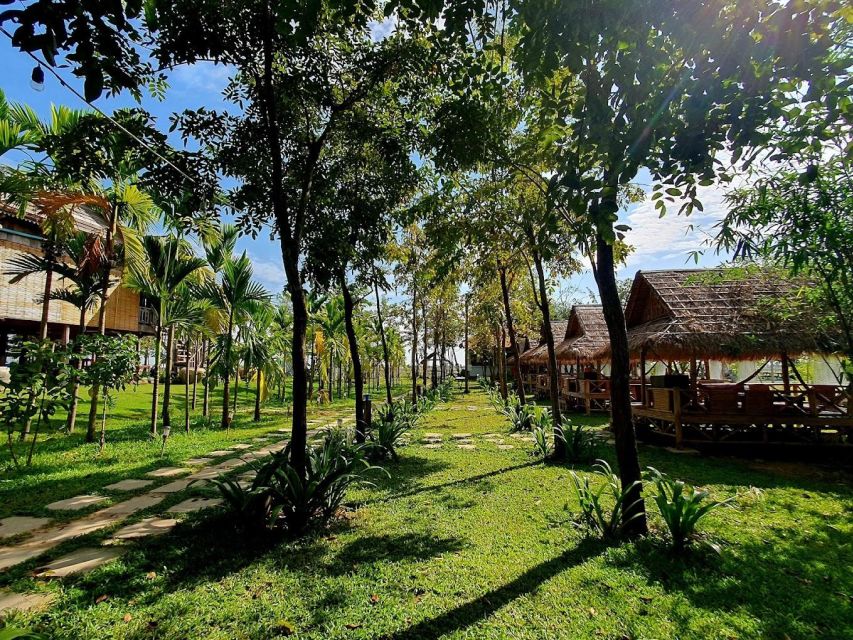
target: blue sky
<point>659,243</point>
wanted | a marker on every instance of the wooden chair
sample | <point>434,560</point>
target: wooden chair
<point>758,400</point>
<point>722,397</point>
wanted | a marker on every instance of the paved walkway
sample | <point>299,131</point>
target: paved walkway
<point>42,534</point>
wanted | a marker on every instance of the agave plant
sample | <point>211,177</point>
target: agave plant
<point>595,514</point>
<point>681,507</point>
<point>580,442</point>
<point>279,497</point>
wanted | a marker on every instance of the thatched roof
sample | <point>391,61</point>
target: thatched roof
<point>85,211</point>
<point>523,347</point>
<point>539,354</point>
<point>586,334</point>
<point>723,313</point>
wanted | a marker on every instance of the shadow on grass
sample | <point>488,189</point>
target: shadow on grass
<point>376,549</point>
<point>470,613</point>
<point>453,483</point>
<point>796,586</point>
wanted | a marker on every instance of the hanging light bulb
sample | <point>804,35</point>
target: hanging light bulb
<point>37,78</point>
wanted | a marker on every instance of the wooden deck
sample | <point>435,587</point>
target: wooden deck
<point>755,414</point>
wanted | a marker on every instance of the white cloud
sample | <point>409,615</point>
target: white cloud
<point>202,76</point>
<point>269,273</point>
<point>670,239</point>
<point>381,30</point>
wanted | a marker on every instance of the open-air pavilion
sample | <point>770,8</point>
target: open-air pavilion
<point>534,362</point>
<point>584,384</point>
<point>695,316</point>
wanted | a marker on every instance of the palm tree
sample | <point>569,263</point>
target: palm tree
<point>168,264</point>
<point>331,324</point>
<point>188,321</point>
<point>79,271</point>
<point>235,295</point>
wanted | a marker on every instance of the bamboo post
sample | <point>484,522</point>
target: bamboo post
<point>643,376</point>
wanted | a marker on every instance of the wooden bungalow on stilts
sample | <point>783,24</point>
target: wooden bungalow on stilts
<point>534,363</point>
<point>583,383</point>
<point>684,318</point>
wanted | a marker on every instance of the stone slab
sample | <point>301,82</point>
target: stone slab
<point>167,472</point>
<point>194,504</point>
<point>76,503</point>
<point>229,464</point>
<point>206,474</point>
<point>78,561</point>
<point>10,601</point>
<point>432,435</point>
<point>16,525</point>
<point>10,556</point>
<point>505,447</point>
<point>432,446</point>
<point>131,506</point>
<point>241,447</point>
<point>462,436</point>
<point>175,486</point>
<point>219,453</point>
<point>691,452</point>
<point>144,528</point>
<point>467,447</point>
<point>198,462</point>
<point>129,485</point>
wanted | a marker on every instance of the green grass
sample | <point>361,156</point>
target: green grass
<point>65,465</point>
<point>479,544</point>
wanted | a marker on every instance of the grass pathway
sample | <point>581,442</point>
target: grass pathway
<point>468,543</point>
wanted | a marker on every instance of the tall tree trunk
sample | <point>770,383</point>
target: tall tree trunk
<point>513,342</point>
<point>426,342</point>
<point>414,343</point>
<point>331,376</point>
<point>205,399</point>
<point>226,378</point>
<point>91,427</point>
<point>236,386</point>
<point>45,306</point>
<point>499,355</point>
<point>466,344</point>
<point>158,339</point>
<point>349,308</point>
<point>75,380</point>
<point>167,385</point>
<point>385,359</point>
<point>620,391</point>
<point>553,373</point>
<point>257,416</point>
<point>299,433</point>
<point>197,352</point>
<point>187,395</point>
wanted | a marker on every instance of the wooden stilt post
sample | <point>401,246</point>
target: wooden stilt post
<point>643,376</point>
<point>786,373</point>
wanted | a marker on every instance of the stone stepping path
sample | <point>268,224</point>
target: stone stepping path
<point>46,536</point>
<point>177,485</point>
<point>467,447</point>
<point>144,528</point>
<point>129,507</point>
<point>506,447</point>
<point>79,561</point>
<point>76,503</point>
<point>129,485</point>
<point>168,472</point>
<point>10,601</point>
<point>194,504</point>
<point>462,436</point>
<point>16,525</point>
<point>241,447</point>
<point>432,446</point>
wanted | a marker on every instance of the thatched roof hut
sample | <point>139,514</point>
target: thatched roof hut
<point>539,354</point>
<point>586,334</point>
<point>523,347</point>
<point>723,314</point>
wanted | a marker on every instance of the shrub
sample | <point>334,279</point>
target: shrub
<point>542,446</point>
<point>524,417</point>
<point>387,433</point>
<point>280,498</point>
<point>681,507</point>
<point>595,515</point>
<point>580,443</point>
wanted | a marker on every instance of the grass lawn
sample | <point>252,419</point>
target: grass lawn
<point>65,466</point>
<point>468,544</point>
